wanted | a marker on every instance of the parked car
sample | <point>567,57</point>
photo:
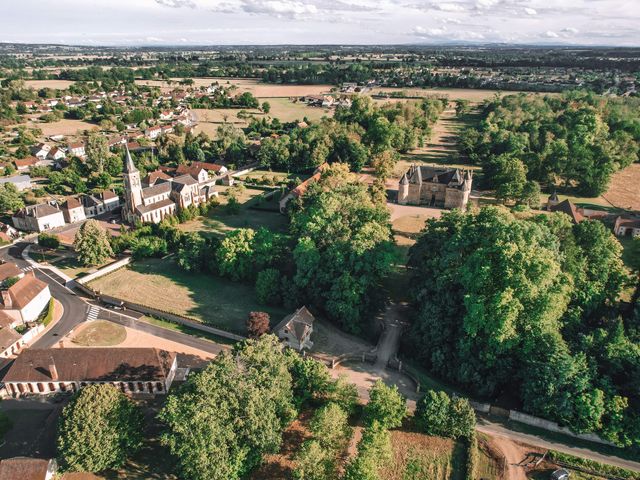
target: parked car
<point>560,474</point>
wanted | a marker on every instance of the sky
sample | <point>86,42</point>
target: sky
<point>240,22</point>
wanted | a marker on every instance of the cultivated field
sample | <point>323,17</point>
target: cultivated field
<point>59,84</point>
<point>203,297</point>
<point>64,127</point>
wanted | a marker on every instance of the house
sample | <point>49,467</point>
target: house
<point>153,177</point>
<point>153,132</point>
<point>300,190</point>
<point>153,203</point>
<point>103,202</point>
<point>166,115</point>
<point>435,187</point>
<point>76,149</point>
<point>25,300</point>
<point>132,370</point>
<point>25,468</point>
<point>627,226</point>
<point>117,141</point>
<point>195,170</point>
<point>296,329</point>
<point>23,164</point>
<point>56,153</point>
<point>73,210</point>
<point>576,214</point>
<point>41,150</point>
<point>21,182</point>
<point>9,270</point>
<point>7,233</point>
<point>209,167</point>
<point>38,218</point>
<point>11,343</point>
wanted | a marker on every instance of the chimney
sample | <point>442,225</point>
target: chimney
<point>53,371</point>
<point>6,299</point>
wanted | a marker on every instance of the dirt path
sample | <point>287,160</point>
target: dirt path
<point>514,453</point>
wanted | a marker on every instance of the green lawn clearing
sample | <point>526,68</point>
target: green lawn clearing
<point>162,284</point>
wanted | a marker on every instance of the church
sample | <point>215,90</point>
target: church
<point>435,187</point>
<point>165,197</point>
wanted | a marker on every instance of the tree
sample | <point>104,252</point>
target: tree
<point>92,243</point>
<point>268,286</point>
<point>386,406</point>
<point>510,178</point>
<point>257,324</point>
<point>433,413</point>
<point>313,463</point>
<point>222,421</point>
<point>374,452</point>
<point>311,379</point>
<point>101,416</point>
<point>330,426</point>
<point>462,107</point>
<point>97,151</point>
<point>266,107</point>
<point>235,254</point>
<point>10,199</point>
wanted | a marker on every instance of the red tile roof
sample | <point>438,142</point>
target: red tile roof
<point>25,290</point>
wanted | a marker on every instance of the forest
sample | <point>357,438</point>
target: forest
<point>574,141</point>
<point>526,309</point>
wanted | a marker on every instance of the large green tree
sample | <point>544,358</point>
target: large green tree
<point>223,419</point>
<point>98,430</point>
<point>92,243</point>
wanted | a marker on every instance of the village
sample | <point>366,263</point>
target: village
<point>360,251</point>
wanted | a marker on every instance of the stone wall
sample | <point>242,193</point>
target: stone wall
<point>104,270</point>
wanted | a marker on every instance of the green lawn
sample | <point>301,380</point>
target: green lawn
<point>218,222</point>
<point>194,332</point>
<point>207,298</point>
<point>100,333</point>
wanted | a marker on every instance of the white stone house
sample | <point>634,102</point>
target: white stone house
<point>21,182</point>
<point>76,149</point>
<point>131,370</point>
<point>41,150</point>
<point>26,299</point>
<point>103,202</point>
<point>73,210</point>
<point>38,218</point>
<point>296,329</point>
<point>627,226</point>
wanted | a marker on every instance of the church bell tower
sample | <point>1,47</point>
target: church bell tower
<point>132,186</point>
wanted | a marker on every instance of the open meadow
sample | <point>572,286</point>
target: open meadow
<point>162,284</point>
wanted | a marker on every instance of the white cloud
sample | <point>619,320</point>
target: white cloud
<point>551,34</point>
<point>153,39</point>
<point>569,30</point>
<point>450,7</point>
<point>176,3</point>
<point>530,11</point>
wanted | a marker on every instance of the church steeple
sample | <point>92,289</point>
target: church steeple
<point>132,187</point>
<point>129,166</point>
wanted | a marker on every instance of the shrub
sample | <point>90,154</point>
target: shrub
<point>48,240</point>
<point>329,425</point>
<point>438,414</point>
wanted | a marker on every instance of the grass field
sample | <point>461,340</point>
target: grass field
<point>420,456</point>
<point>218,221</point>
<point>164,285</point>
<point>37,84</point>
<point>100,333</point>
<point>64,127</point>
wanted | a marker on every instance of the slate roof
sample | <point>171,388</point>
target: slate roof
<point>155,206</point>
<point>445,176</point>
<point>157,189</point>
<point>299,322</point>
<point>37,211</point>
<point>91,364</point>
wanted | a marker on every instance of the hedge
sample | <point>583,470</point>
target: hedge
<point>472,456</point>
<point>595,467</point>
<point>49,316</point>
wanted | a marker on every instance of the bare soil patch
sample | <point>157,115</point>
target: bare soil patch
<point>623,192</point>
<point>60,84</point>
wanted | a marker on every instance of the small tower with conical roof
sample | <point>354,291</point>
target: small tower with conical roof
<point>403,190</point>
<point>553,200</point>
<point>132,186</point>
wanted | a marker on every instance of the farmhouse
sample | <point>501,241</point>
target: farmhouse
<point>296,329</point>
<point>26,299</point>
<point>56,153</point>
<point>627,226</point>
<point>38,218</point>
<point>23,164</point>
<point>132,370</point>
<point>576,214</point>
<point>164,197</point>
<point>76,149</point>
<point>41,150</point>
<point>299,191</point>
<point>435,187</point>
